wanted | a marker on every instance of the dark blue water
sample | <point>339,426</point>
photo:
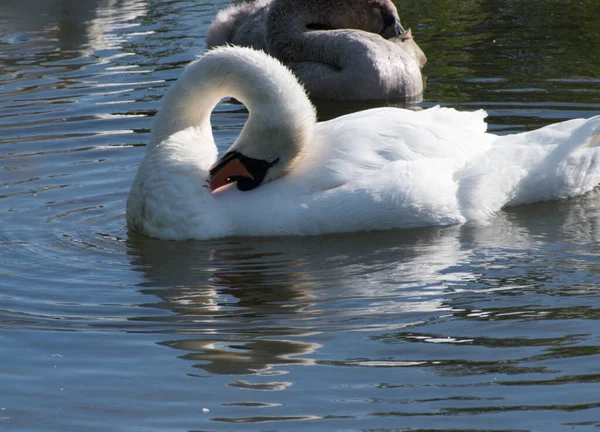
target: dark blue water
<point>477,327</point>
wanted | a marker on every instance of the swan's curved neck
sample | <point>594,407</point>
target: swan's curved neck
<point>269,91</point>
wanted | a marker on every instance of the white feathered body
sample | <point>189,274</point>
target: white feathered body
<point>377,169</point>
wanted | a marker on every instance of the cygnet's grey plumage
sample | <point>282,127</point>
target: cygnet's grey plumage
<point>339,49</point>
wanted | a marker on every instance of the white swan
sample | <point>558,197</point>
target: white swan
<point>330,45</point>
<point>374,169</point>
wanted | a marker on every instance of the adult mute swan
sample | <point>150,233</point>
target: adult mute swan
<point>330,44</point>
<point>382,168</point>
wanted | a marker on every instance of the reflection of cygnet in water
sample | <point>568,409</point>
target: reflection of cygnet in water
<point>354,49</point>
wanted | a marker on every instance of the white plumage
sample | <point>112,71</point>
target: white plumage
<point>376,169</point>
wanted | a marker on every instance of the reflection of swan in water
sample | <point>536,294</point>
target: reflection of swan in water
<point>375,169</point>
<point>219,292</point>
<point>222,290</point>
<point>339,50</point>
<point>246,306</point>
<point>228,295</point>
<point>246,356</point>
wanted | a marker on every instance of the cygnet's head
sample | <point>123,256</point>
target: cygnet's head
<point>374,16</point>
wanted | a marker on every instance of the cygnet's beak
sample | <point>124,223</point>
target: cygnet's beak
<point>235,167</point>
<point>392,28</point>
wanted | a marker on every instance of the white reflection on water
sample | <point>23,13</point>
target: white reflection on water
<point>73,27</point>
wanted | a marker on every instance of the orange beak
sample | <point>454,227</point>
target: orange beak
<point>228,173</point>
<point>247,172</point>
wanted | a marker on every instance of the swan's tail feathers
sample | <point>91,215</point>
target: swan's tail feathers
<point>469,120</point>
<point>555,162</point>
<point>586,133</point>
<point>580,170</point>
<point>594,140</point>
<point>567,165</point>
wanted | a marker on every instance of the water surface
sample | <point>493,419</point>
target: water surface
<point>477,327</point>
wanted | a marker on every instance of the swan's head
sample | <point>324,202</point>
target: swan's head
<point>263,152</point>
<point>280,123</point>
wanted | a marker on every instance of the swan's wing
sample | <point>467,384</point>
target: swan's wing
<point>351,148</point>
<point>389,168</point>
<point>374,169</point>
